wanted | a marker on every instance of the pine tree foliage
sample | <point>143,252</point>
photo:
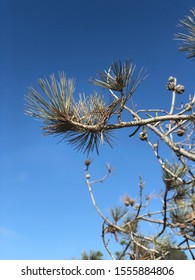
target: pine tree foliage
<point>87,121</point>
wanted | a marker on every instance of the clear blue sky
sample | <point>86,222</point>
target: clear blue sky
<point>45,208</point>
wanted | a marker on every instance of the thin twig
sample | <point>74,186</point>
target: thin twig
<point>165,214</point>
<point>190,250</point>
<point>97,208</point>
<point>106,243</point>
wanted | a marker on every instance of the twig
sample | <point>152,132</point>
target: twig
<point>140,194</point>
<point>136,130</point>
<point>104,242</point>
<point>190,250</point>
<point>125,250</point>
<point>165,213</point>
<point>96,207</point>
<point>142,246</point>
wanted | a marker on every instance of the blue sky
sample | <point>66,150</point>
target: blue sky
<point>45,207</point>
